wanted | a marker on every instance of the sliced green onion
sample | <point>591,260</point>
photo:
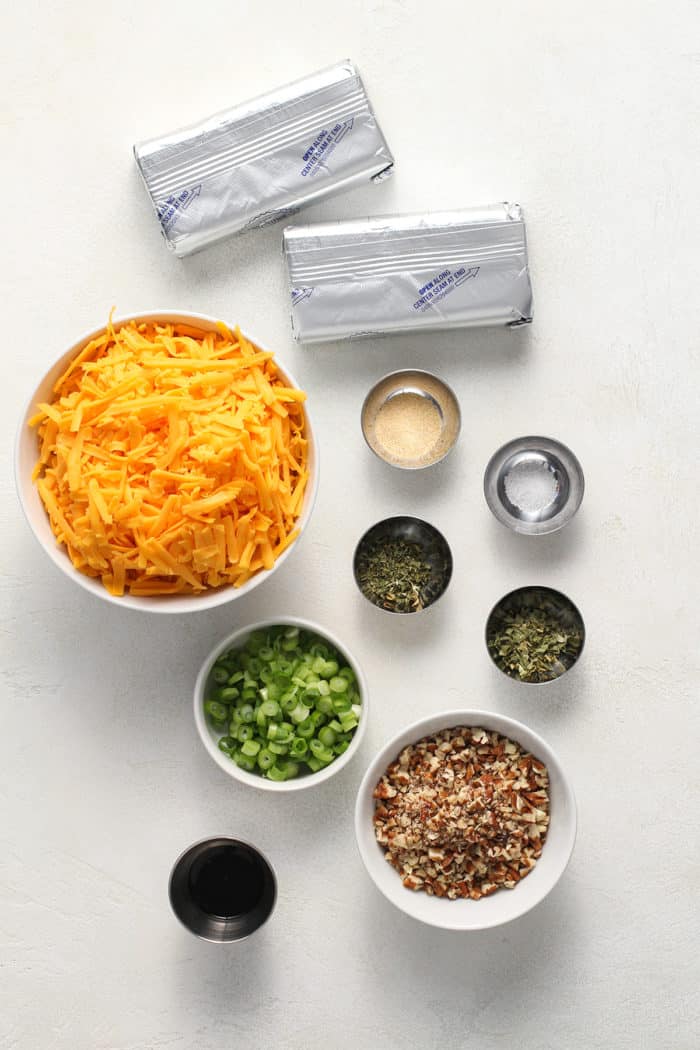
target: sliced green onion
<point>289,703</point>
<point>243,761</point>
<point>265,759</point>
<point>326,736</point>
<point>299,747</point>
<point>324,704</point>
<point>320,751</point>
<point>300,713</point>
<point>217,711</point>
<point>307,728</point>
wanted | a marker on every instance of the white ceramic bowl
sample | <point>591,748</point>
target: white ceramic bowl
<point>503,905</point>
<point>26,456</point>
<point>210,736</point>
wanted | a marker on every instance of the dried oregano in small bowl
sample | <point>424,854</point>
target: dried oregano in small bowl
<point>535,634</point>
<point>402,564</point>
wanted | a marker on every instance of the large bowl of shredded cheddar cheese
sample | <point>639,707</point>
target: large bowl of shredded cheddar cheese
<point>167,463</point>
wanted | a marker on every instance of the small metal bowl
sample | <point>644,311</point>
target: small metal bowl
<point>434,549</point>
<point>413,384</point>
<point>553,602</point>
<point>534,485</point>
<point>202,923</point>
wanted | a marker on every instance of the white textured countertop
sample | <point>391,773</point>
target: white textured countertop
<point>585,113</point>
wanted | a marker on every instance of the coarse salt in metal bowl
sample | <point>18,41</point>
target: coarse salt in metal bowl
<point>26,453</point>
<point>533,485</point>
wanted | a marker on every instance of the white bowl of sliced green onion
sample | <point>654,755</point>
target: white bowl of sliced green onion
<point>281,704</point>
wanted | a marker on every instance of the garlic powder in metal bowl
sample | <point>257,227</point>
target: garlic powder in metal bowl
<point>411,419</point>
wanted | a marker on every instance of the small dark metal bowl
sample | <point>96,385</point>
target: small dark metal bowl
<point>555,603</point>
<point>215,927</point>
<point>434,549</point>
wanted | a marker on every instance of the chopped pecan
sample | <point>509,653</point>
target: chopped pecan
<point>463,813</point>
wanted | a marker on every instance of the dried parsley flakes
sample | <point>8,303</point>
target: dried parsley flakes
<point>393,573</point>
<point>532,644</point>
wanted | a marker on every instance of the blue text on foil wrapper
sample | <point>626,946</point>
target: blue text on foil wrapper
<point>299,294</point>
<point>169,209</point>
<point>441,285</point>
<point>324,143</point>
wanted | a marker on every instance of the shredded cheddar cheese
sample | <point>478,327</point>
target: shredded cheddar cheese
<point>172,460</point>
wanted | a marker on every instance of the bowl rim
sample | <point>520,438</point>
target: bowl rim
<point>161,604</point>
<point>395,375</point>
<point>453,717</point>
<point>559,594</point>
<point>254,779</point>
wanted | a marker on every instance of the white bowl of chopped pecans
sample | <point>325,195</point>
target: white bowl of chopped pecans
<point>465,820</point>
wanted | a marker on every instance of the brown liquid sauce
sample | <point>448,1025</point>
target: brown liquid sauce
<point>226,882</point>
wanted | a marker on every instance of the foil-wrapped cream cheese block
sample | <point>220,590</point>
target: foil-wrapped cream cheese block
<point>403,273</point>
<point>264,159</point>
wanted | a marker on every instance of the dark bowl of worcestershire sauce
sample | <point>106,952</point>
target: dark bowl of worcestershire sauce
<point>222,889</point>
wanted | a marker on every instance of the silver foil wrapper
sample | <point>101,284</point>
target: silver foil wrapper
<point>402,273</point>
<point>264,159</point>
